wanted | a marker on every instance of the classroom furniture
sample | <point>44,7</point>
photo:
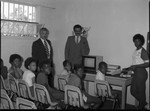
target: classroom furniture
<point>42,96</point>
<point>102,89</point>
<point>113,80</point>
<point>13,84</point>
<point>22,103</point>
<point>24,90</point>
<point>3,85</point>
<point>73,97</point>
<point>5,101</point>
<point>62,81</point>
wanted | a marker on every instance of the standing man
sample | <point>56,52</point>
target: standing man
<point>42,50</point>
<point>76,46</point>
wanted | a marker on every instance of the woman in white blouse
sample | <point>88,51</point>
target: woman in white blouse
<point>140,61</point>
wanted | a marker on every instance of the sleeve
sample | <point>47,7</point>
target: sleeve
<point>85,47</point>
<point>32,75</point>
<point>144,56</point>
<point>67,49</point>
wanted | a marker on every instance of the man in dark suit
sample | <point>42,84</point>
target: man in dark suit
<point>76,46</point>
<point>42,50</point>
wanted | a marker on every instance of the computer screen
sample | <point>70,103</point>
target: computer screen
<point>89,62</point>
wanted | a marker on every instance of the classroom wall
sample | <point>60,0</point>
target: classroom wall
<point>113,24</point>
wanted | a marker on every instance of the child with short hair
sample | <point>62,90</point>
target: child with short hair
<point>101,72</point>
<point>67,68</point>
<point>16,62</point>
<point>102,69</point>
<point>29,76</point>
<point>42,78</point>
<point>76,80</point>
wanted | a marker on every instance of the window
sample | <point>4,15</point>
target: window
<point>18,20</point>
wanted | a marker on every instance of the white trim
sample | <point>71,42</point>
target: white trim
<point>29,3</point>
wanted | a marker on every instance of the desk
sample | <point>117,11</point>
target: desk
<point>113,80</point>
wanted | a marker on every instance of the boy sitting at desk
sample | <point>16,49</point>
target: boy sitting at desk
<point>100,75</point>
<point>76,80</point>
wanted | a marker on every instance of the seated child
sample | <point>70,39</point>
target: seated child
<point>100,75</point>
<point>16,62</point>
<point>67,68</point>
<point>4,70</point>
<point>28,75</point>
<point>102,69</point>
<point>76,80</point>
<point>42,78</point>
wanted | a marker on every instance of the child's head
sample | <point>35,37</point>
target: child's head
<point>30,63</point>
<point>78,69</point>
<point>45,66</point>
<point>16,60</point>
<point>67,65</point>
<point>103,67</point>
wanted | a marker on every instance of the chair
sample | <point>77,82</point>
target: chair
<point>24,90</point>
<point>3,86</point>
<point>102,89</point>
<point>5,101</point>
<point>73,97</point>
<point>62,81</point>
<point>22,103</point>
<point>42,96</point>
<point>13,84</point>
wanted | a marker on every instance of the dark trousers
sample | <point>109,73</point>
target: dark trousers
<point>138,86</point>
<point>51,77</point>
<point>92,99</point>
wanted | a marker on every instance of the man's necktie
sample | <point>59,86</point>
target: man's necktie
<point>77,39</point>
<point>46,49</point>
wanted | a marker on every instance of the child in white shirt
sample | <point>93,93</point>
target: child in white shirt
<point>28,75</point>
<point>100,75</point>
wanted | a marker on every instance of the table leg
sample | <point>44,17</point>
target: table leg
<point>123,97</point>
<point>87,86</point>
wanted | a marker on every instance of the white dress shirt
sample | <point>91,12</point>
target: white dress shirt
<point>79,38</point>
<point>100,76</point>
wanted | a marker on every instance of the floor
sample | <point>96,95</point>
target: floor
<point>108,105</point>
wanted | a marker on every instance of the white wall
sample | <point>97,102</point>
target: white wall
<point>113,24</point>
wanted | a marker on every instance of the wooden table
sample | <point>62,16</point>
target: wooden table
<point>113,80</point>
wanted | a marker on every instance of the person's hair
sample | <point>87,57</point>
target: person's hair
<point>102,64</point>
<point>140,37</point>
<point>77,67</point>
<point>44,29</point>
<point>28,61</point>
<point>65,62</point>
<point>77,26</point>
<point>15,56</point>
<point>45,62</point>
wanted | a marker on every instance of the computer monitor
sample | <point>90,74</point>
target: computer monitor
<point>90,63</point>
